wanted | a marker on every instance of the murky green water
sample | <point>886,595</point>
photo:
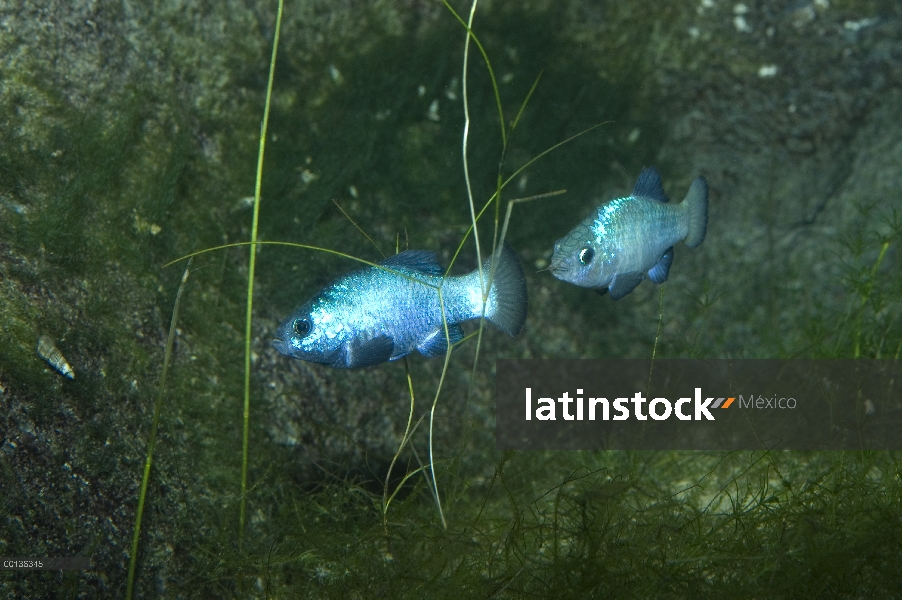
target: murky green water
<point>129,138</point>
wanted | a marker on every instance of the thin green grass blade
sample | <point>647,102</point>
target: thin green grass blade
<point>359,228</point>
<point>466,133</point>
<point>305,247</point>
<point>499,182</point>
<point>535,84</point>
<point>473,225</point>
<point>386,497</point>
<point>468,26</point>
<point>496,197</point>
<point>250,280</point>
<point>867,296</point>
<point>438,391</point>
<point>151,442</point>
<point>654,348</point>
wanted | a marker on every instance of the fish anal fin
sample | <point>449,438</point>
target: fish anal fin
<point>370,352</point>
<point>436,344</point>
<point>624,283</point>
<point>661,270</point>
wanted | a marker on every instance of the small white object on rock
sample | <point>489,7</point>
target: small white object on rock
<point>49,352</point>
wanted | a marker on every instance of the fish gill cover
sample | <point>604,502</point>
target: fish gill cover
<point>128,140</point>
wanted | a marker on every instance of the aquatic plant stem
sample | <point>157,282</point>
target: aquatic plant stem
<point>361,230</point>
<point>250,279</point>
<point>305,247</point>
<point>151,442</point>
<point>466,136</point>
<point>485,57</point>
<point>654,348</point>
<point>386,497</point>
<point>475,230</point>
<point>867,296</point>
<point>438,391</point>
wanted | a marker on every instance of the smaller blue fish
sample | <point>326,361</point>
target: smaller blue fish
<point>614,247</point>
<point>372,315</point>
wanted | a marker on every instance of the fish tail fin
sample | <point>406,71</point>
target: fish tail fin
<point>511,299</point>
<point>697,205</point>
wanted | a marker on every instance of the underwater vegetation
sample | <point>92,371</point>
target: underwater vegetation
<point>128,139</point>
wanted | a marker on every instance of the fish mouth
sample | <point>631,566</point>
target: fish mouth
<point>558,267</point>
<point>562,271</point>
<point>281,346</point>
<point>288,350</point>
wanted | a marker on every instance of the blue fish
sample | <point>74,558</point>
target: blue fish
<point>373,315</point>
<point>622,240</point>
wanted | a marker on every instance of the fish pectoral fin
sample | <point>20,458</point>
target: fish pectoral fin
<point>436,344</point>
<point>370,352</point>
<point>661,270</point>
<point>624,283</point>
<point>601,291</point>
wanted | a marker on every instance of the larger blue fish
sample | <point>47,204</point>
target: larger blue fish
<point>622,240</point>
<point>373,315</point>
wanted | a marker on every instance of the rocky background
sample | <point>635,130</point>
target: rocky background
<point>128,138</point>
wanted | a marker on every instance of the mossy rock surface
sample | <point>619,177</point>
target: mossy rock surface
<point>129,139</point>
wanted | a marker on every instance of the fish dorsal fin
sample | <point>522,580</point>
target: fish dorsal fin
<point>648,185</point>
<point>424,261</point>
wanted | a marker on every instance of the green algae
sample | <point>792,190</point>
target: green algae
<point>603,524</point>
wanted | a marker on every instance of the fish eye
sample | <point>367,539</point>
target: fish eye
<point>301,327</point>
<point>586,255</point>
